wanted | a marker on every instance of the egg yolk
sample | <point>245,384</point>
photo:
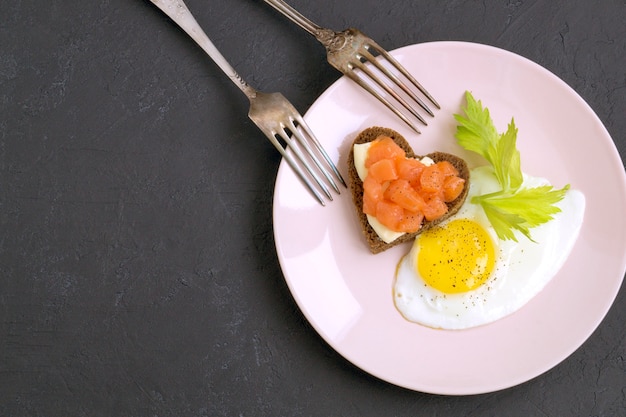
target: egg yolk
<point>457,257</point>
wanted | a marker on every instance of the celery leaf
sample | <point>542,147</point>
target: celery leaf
<point>514,207</point>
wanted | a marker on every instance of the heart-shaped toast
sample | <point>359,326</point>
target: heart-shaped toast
<point>374,241</point>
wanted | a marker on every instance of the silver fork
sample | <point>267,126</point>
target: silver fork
<point>351,49</point>
<point>271,112</point>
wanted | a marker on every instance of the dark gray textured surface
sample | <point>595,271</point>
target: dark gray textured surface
<point>138,275</point>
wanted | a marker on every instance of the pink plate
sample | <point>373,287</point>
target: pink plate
<point>345,292</point>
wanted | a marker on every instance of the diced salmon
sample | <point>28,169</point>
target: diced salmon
<point>434,208</point>
<point>447,169</point>
<point>409,169</point>
<point>411,222</point>
<point>383,170</point>
<point>383,148</point>
<point>372,194</point>
<point>400,192</point>
<point>452,188</point>
<point>369,204</point>
<point>373,187</point>
<point>389,214</point>
<point>431,179</point>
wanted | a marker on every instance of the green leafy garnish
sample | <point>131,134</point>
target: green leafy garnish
<point>513,207</point>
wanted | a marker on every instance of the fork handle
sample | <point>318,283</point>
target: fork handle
<point>178,11</point>
<point>296,17</point>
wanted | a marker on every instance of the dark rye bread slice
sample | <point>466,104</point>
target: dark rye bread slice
<point>376,244</point>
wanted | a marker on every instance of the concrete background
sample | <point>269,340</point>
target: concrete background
<point>138,275</point>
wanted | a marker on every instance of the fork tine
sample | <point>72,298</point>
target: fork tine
<point>294,166</point>
<point>393,77</point>
<point>302,159</point>
<point>285,128</point>
<point>360,65</point>
<point>382,99</point>
<point>302,141</point>
<point>299,137</point>
<point>320,149</point>
<point>403,71</point>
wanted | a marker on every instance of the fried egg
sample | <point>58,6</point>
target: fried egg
<point>460,275</point>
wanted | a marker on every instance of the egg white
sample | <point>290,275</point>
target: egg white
<point>522,269</point>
